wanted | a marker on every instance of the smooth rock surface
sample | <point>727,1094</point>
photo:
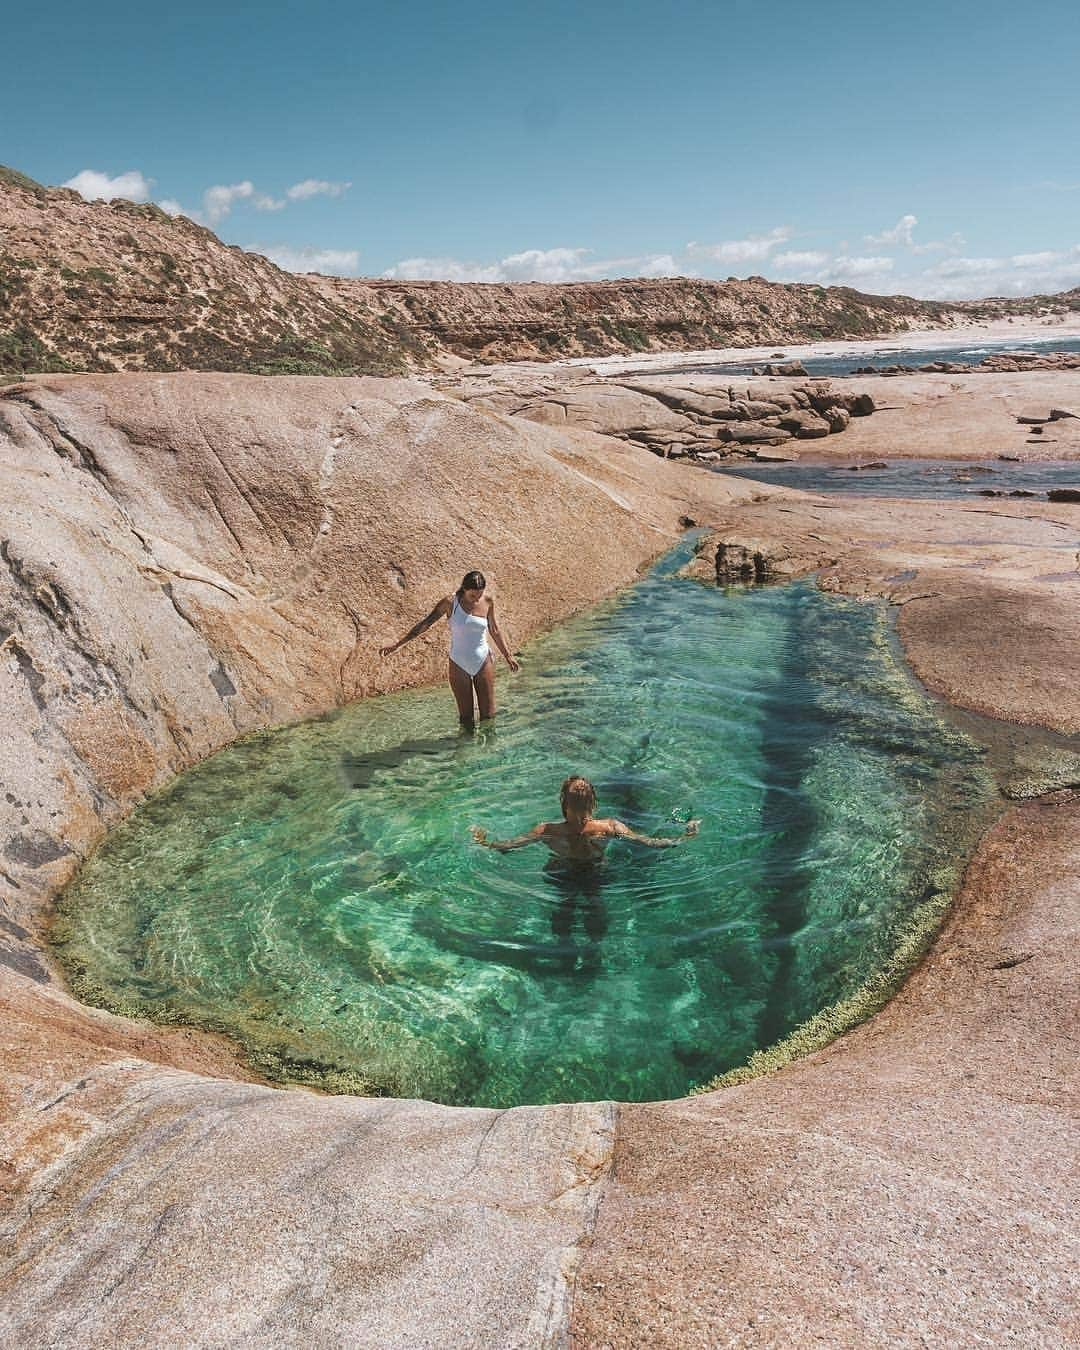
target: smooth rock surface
<point>185,557</point>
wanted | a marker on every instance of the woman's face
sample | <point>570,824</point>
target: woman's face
<point>472,594</point>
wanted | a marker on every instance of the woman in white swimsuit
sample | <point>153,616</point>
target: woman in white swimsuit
<point>472,667</point>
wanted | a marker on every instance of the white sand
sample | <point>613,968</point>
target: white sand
<point>997,333</point>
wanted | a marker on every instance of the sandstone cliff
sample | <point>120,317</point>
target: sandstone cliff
<point>91,286</point>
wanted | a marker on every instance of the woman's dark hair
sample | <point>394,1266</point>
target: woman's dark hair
<point>471,581</point>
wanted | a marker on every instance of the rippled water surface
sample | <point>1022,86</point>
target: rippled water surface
<point>315,890</point>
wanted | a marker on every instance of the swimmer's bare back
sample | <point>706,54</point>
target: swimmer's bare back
<point>581,845</point>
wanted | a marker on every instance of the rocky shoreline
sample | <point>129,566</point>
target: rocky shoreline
<point>188,557</point>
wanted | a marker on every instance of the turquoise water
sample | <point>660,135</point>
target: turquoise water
<point>315,890</point>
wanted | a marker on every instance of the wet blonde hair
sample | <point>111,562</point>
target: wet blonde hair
<point>579,792</point>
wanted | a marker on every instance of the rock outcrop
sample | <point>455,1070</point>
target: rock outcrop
<point>705,417</point>
<point>188,557</point>
<point>996,363</point>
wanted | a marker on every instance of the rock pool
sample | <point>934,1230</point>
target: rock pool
<point>314,891</point>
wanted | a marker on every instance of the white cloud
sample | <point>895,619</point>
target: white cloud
<point>171,207</point>
<point>342,262</point>
<point>534,264</point>
<point>219,200</point>
<point>902,236</point>
<point>754,248</point>
<point>1043,259</point>
<point>1045,272</point>
<point>899,234</point>
<point>537,264</point>
<point>96,186</point>
<point>664,265</point>
<point>315,187</point>
<point>846,268</point>
<point>964,267</point>
<point>800,260</point>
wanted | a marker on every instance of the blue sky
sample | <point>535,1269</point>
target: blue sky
<point>932,148</point>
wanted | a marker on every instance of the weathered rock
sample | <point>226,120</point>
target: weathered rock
<point>784,368</point>
<point>805,424</point>
<point>1064,495</point>
<point>165,543</point>
<point>758,433</point>
<point>837,419</point>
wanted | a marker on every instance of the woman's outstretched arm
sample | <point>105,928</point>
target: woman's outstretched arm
<point>442,608</point>
<point>622,831</point>
<point>496,633</point>
<point>505,845</point>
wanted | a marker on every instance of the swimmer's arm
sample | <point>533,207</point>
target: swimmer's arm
<point>505,845</point>
<point>443,607</point>
<point>622,831</point>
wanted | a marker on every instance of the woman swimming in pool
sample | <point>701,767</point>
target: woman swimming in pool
<point>472,667</point>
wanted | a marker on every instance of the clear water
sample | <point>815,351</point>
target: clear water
<point>923,478</point>
<point>315,890</point>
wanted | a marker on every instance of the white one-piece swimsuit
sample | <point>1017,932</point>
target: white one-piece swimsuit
<point>468,639</point>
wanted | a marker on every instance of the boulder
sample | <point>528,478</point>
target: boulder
<point>786,368</point>
<point>763,433</point>
<point>1064,495</point>
<point>805,425</point>
<point>836,418</point>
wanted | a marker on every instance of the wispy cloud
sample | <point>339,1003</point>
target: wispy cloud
<point>801,260</point>
<point>754,248</point>
<point>899,234</point>
<point>218,201</point>
<point>535,264</point>
<point>847,268</point>
<point>341,262</point>
<point>664,265</point>
<point>95,186</point>
<point>315,187</point>
<point>1045,272</point>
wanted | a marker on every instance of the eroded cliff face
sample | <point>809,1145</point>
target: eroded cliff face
<point>95,286</point>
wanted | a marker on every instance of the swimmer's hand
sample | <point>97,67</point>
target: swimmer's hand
<point>692,827</point>
<point>515,666</point>
<point>386,651</point>
<point>479,835</point>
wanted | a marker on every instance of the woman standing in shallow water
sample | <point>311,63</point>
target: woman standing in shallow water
<point>471,613</point>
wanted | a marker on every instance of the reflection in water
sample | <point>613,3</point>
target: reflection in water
<point>316,892</point>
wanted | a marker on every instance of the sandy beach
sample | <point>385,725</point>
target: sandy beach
<point>998,333</point>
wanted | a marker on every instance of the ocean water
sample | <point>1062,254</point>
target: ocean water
<point>890,353</point>
<point>315,891</point>
<point>921,478</point>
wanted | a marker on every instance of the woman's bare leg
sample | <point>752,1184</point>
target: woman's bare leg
<point>484,682</point>
<point>462,687</point>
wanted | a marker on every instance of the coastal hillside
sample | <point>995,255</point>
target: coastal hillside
<point>96,286</point>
